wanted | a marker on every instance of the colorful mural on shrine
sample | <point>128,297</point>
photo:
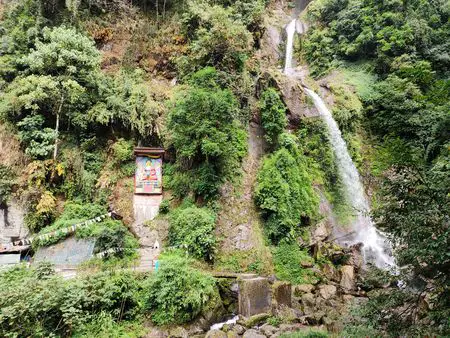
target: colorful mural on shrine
<point>148,178</point>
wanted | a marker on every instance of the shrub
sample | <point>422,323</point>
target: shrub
<point>284,190</point>
<point>193,228</point>
<point>38,141</point>
<point>305,334</point>
<point>273,115</point>
<point>122,151</point>
<point>112,232</point>
<point>35,302</point>
<point>164,207</point>
<point>177,293</point>
<point>6,183</point>
<point>287,258</point>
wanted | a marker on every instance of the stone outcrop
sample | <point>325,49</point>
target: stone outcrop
<point>254,296</point>
<point>282,294</point>
<point>327,291</point>
<point>347,277</point>
<point>253,334</point>
<point>303,288</point>
<point>216,334</point>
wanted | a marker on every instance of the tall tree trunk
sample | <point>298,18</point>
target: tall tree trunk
<point>58,115</point>
<point>164,10</point>
<point>157,13</point>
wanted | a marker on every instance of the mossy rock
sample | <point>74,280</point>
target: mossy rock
<point>256,319</point>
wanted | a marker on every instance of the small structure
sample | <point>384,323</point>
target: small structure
<point>148,194</point>
<point>12,255</point>
<point>254,296</point>
<point>148,176</point>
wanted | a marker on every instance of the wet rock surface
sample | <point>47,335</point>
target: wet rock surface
<point>254,296</point>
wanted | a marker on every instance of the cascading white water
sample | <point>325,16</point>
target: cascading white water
<point>290,31</point>
<point>375,246</point>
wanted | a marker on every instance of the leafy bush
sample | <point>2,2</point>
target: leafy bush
<point>164,207</point>
<point>193,228</point>
<point>39,141</point>
<point>112,239</point>
<point>209,142</point>
<point>273,115</point>
<point>284,190</point>
<point>315,144</point>
<point>122,150</point>
<point>35,302</point>
<point>178,293</point>
<point>6,184</point>
<point>108,229</point>
<point>126,100</point>
<point>287,259</point>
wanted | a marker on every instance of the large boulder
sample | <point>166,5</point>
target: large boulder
<point>215,334</point>
<point>268,329</point>
<point>282,293</point>
<point>302,289</point>
<point>238,329</point>
<point>254,296</point>
<point>356,258</point>
<point>308,302</point>
<point>347,277</point>
<point>320,233</point>
<point>327,291</point>
<point>253,334</point>
<point>256,320</point>
<point>330,272</point>
<point>179,332</point>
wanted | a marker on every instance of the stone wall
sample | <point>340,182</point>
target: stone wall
<point>12,222</point>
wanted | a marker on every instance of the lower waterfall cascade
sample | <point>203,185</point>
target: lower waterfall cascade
<point>376,247</point>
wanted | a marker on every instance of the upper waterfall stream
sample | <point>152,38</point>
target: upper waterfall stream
<point>376,248</point>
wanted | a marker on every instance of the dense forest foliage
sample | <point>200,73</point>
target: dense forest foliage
<point>406,45</point>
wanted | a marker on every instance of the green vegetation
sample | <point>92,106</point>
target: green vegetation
<point>305,334</point>
<point>273,115</point>
<point>84,81</point>
<point>207,137</point>
<point>192,228</point>
<point>36,302</point>
<point>178,292</point>
<point>284,191</point>
<point>406,110</point>
<point>111,234</point>
<point>288,259</point>
<point>6,184</point>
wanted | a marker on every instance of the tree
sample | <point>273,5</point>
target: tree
<point>39,141</point>
<point>209,141</point>
<point>126,101</point>
<point>58,74</point>
<point>218,38</point>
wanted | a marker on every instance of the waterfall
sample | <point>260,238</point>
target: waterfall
<point>375,246</point>
<point>290,31</point>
